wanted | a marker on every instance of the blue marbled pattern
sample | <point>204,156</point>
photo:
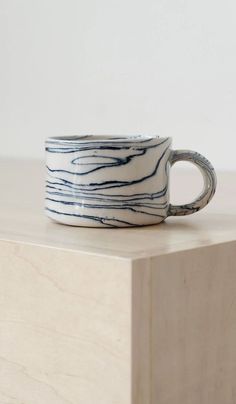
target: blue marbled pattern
<point>103,181</point>
<point>107,182</point>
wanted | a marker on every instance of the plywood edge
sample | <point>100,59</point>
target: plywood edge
<point>177,250</point>
<point>90,252</point>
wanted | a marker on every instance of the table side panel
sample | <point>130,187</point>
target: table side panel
<point>194,326</point>
<point>141,321</point>
<point>65,327</point>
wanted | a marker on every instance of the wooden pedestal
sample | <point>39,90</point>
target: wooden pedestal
<point>123,316</point>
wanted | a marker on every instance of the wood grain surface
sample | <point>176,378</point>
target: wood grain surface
<point>193,327</point>
<point>65,327</point>
<point>22,217</point>
<point>124,316</point>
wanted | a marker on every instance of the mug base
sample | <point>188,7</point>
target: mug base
<point>96,222</point>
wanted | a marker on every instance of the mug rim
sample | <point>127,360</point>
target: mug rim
<point>78,139</point>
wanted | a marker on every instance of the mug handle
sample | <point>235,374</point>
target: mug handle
<point>209,177</point>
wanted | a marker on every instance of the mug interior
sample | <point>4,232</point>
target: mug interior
<point>101,138</point>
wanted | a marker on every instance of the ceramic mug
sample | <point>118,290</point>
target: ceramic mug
<point>105,181</point>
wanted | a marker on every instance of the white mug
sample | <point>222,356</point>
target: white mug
<point>106,181</point>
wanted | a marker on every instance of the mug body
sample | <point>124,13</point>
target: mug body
<point>105,181</point>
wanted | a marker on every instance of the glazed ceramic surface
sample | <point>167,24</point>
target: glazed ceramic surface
<point>104,181</point>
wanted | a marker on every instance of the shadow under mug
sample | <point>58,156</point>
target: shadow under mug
<point>106,181</point>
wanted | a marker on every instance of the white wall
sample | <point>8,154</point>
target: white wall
<point>119,66</point>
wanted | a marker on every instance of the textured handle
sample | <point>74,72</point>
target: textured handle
<point>209,177</point>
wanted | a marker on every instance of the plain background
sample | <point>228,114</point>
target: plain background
<point>119,66</point>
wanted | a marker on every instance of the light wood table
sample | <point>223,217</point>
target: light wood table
<point>116,316</point>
